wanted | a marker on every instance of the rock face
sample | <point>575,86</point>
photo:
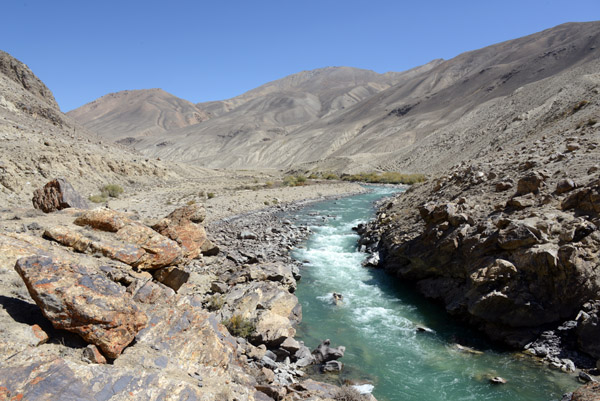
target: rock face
<point>56,195</point>
<point>512,263</point>
<point>73,298</point>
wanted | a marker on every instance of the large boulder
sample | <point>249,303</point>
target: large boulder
<point>181,226</point>
<point>586,200</point>
<point>56,195</point>
<point>76,298</point>
<point>531,183</point>
<point>325,353</point>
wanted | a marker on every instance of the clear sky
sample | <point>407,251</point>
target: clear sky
<point>201,50</point>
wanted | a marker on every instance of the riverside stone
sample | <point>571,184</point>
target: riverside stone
<point>56,195</point>
<point>77,299</point>
<point>324,353</point>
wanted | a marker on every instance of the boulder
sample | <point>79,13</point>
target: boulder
<point>92,355</point>
<point>531,183</point>
<point>180,226</point>
<point>565,185</point>
<point>324,353</point>
<point>56,195</point>
<point>588,329</point>
<point>172,276</point>
<point>80,300</point>
<point>588,392</point>
<point>332,366</point>
<point>586,200</point>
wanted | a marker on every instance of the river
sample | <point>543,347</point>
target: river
<point>377,319</point>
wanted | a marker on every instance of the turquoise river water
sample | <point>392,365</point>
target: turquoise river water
<point>376,323</point>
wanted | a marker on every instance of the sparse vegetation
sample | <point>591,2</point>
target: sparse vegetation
<point>580,106</point>
<point>98,198</point>
<point>269,184</point>
<point>592,121</point>
<point>215,302</point>
<point>112,190</point>
<point>191,202</point>
<point>294,180</point>
<point>210,195</point>
<point>348,393</point>
<point>388,177</point>
<point>239,326</point>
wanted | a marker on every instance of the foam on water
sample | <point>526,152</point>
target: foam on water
<point>377,318</point>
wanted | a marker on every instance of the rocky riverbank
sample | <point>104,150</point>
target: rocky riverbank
<point>98,305</point>
<point>509,245</point>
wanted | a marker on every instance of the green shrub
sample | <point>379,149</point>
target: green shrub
<point>269,184</point>
<point>113,190</point>
<point>99,198</point>
<point>389,177</point>
<point>330,176</point>
<point>210,195</point>
<point>239,326</point>
<point>289,181</point>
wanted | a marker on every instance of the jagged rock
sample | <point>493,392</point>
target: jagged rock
<point>273,309</point>
<point>531,183</point>
<point>372,260</point>
<point>518,235</point>
<point>56,195</point>
<point>277,272</point>
<point>172,276</point>
<point>290,345</point>
<point>586,377</point>
<point>588,329</point>
<point>77,299</point>
<point>275,392</point>
<point>91,354</point>
<point>520,202</point>
<point>586,199</point>
<point>181,227</point>
<point>324,353</point>
<point>565,185</point>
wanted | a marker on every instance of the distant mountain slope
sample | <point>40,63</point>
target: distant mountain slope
<point>130,114</point>
<point>420,120</point>
<point>39,143</point>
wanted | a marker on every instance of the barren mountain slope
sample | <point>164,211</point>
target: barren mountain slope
<point>263,114</point>
<point>125,116</point>
<point>435,115</point>
<point>39,143</point>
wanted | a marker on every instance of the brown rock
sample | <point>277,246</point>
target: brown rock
<point>77,299</point>
<point>103,219</point>
<point>93,355</point>
<point>503,186</point>
<point>56,195</point>
<point>181,227</point>
<point>588,392</point>
<point>39,335</point>
<point>172,276</point>
<point>565,185</point>
<point>520,202</point>
<point>586,199</point>
<point>531,183</point>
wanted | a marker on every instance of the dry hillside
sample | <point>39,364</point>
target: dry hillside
<point>420,120</point>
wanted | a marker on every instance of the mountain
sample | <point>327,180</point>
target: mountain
<point>39,143</point>
<point>125,116</point>
<point>421,120</point>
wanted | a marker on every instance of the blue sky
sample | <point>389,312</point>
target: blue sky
<point>202,51</point>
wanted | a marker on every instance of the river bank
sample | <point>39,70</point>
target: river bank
<point>176,306</point>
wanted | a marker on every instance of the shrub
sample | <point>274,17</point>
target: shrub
<point>331,176</point>
<point>269,184</point>
<point>191,202</point>
<point>99,198</point>
<point>348,393</point>
<point>289,181</point>
<point>239,326</point>
<point>580,106</point>
<point>215,302</point>
<point>388,177</point>
<point>113,190</point>
<point>592,121</point>
<point>210,195</point>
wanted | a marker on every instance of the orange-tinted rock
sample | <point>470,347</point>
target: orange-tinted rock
<point>180,226</point>
<point>103,219</point>
<point>77,299</point>
<point>92,354</point>
<point>56,195</point>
